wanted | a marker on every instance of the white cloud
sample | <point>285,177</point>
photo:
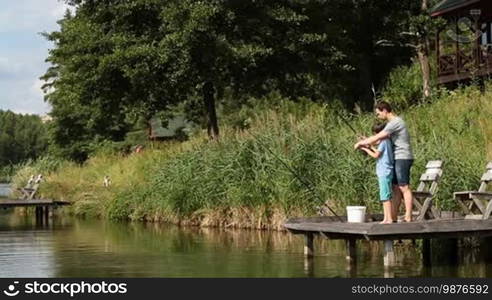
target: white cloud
<point>36,15</point>
<point>18,98</point>
<point>59,11</point>
<point>10,69</point>
<point>36,89</point>
<point>22,52</point>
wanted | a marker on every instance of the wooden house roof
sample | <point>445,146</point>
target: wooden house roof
<point>174,125</point>
<point>447,6</point>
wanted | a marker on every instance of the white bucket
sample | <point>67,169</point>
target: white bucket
<point>356,214</point>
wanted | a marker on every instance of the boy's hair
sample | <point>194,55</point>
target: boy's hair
<point>383,105</point>
<point>378,127</point>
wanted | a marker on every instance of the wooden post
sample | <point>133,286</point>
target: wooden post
<point>351,258</point>
<point>489,34</point>
<point>389,254</point>
<point>351,251</point>
<point>46,214</point>
<point>477,45</point>
<point>457,48</point>
<point>309,266</point>
<point>438,54</point>
<point>309,247</point>
<point>39,215</point>
<point>488,210</point>
<point>426,252</point>
<point>453,248</point>
<point>389,273</point>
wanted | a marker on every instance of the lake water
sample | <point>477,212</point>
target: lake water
<point>70,247</point>
<point>4,190</point>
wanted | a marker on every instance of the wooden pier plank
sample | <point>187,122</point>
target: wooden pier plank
<point>374,230</point>
<point>33,202</point>
<point>354,228</point>
<point>329,219</point>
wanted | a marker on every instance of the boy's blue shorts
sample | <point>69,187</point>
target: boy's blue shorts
<point>385,187</point>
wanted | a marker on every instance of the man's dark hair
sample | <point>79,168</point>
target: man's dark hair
<point>378,127</point>
<point>383,105</point>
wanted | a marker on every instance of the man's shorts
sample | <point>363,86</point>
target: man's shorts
<point>385,187</point>
<point>402,171</point>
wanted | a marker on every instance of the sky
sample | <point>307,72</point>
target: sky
<point>23,52</point>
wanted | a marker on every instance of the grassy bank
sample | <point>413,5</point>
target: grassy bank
<point>238,183</point>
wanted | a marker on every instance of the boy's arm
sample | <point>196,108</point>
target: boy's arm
<point>372,152</point>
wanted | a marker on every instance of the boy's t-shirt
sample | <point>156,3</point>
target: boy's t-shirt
<point>385,162</point>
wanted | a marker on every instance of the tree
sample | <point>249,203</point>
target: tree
<point>87,86</point>
<point>415,32</point>
<point>422,27</point>
<point>117,61</point>
<point>22,137</point>
<point>142,56</point>
<point>250,48</point>
<point>423,54</point>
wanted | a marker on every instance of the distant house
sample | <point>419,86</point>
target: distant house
<point>464,46</point>
<point>176,128</point>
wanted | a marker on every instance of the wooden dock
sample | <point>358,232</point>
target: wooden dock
<point>43,206</point>
<point>474,219</point>
<point>336,228</point>
<point>6,203</point>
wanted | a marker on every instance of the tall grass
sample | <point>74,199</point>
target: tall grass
<point>7,172</point>
<point>237,182</point>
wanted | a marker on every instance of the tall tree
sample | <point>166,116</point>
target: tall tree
<point>119,60</point>
<point>22,137</point>
<point>414,32</point>
<point>142,56</point>
<point>423,55</point>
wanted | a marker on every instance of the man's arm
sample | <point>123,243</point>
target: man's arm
<point>370,140</point>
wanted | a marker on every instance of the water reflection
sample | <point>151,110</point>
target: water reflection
<point>28,253</point>
<point>90,248</point>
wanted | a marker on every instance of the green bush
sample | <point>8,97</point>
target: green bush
<point>404,86</point>
<point>7,172</point>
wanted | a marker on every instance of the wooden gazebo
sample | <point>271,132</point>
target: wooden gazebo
<point>464,46</point>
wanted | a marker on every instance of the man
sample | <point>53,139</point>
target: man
<point>397,130</point>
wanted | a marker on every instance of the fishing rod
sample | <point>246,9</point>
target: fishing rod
<point>373,90</point>
<point>375,98</point>
<point>309,185</point>
<point>348,124</point>
<point>352,128</point>
<point>355,132</point>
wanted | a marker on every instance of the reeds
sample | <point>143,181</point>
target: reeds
<point>237,182</point>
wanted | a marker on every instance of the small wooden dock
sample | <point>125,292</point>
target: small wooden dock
<point>339,228</point>
<point>43,206</point>
<point>473,220</point>
<point>6,203</point>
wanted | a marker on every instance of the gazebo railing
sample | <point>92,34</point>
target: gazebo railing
<point>466,62</point>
